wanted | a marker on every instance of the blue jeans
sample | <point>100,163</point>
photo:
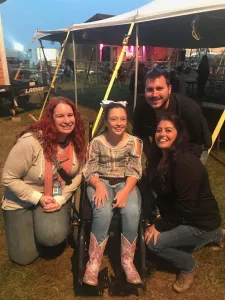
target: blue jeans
<point>27,229</point>
<point>176,245</point>
<point>130,214</point>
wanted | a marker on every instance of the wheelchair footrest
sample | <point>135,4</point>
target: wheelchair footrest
<point>83,289</point>
<point>120,287</point>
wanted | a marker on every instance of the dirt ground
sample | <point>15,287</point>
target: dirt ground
<point>54,279</point>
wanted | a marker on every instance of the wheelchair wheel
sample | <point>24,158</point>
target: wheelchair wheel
<point>81,253</point>
<point>142,254</point>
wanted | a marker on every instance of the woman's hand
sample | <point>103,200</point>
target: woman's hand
<point>49,204</point>
<point>44,200</point>
<point>121,198</point>
<point>100,195</point>
<point>151,232</point>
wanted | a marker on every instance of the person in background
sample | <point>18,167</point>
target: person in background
<point>141,80</point>
<point>41,173</point>
<point>175,84</point>
<point>112,171</point>
<point>203,75</point>
<point>69,63</point>
<point>189,213</point>
<point>181,78</point>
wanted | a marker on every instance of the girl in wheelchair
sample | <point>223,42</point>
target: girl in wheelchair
<point>112,171</point>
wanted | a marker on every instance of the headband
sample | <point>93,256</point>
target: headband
<point>105,103</point>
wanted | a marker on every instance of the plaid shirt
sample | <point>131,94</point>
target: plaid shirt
<point>115,163</point>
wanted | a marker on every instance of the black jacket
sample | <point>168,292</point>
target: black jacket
<point>144,119</point>
<point>184,195</point>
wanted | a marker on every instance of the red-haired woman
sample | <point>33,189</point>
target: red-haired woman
<point>41,172</point>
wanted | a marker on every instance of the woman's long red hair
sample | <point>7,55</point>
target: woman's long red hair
<point>49,132</point>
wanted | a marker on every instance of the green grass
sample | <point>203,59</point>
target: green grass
<point>53,279</point>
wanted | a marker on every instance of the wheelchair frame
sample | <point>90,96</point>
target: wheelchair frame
<point>81,220</point>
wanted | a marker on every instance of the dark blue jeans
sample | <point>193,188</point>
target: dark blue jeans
<point>177,245</point>
<point>130,214</point>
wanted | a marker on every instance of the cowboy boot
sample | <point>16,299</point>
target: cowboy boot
<point>95,257</point>
<point>184,281</point>
<point>127,257</point>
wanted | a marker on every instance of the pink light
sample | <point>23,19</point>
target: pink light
<point>144,53</point>
<point>100,50</point>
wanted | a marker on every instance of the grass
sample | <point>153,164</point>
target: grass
<point>53,279</point>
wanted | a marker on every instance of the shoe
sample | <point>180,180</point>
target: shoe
<point>127,258</point>
<point>95,257</point>
<point>184,281</point>
<point>221,245</point>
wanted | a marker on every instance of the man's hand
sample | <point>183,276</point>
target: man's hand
<point>121,198</point>
<point>100,195</point>
<point>151,232</point>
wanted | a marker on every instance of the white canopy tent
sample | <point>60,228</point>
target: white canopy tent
<point>161,23</point>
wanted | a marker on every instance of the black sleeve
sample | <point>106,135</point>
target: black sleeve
<point>186,175</point>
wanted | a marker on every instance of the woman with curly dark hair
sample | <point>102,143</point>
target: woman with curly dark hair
<point>41,172</point>
<point>190,216</point>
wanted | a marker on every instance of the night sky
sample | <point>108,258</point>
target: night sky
<point>21,18</point>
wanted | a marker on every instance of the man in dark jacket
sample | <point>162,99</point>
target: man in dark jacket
<point>160,101</point>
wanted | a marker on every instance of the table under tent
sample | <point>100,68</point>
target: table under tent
<point>163,23</point>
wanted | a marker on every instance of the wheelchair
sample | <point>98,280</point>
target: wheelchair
<point>81,221</point>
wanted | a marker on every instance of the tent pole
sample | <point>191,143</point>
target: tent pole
<point>39,50</point>
<point>217,129</point>
<point>96,64</point>
<point>52,85</point>
<point>115,72</point>
<point>136,69</point>
<point>75,69</point>
<point>170,52</point>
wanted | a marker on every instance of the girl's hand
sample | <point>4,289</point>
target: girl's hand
<point>121,198</point>
<point>100,195</point>
<point>151,232</point>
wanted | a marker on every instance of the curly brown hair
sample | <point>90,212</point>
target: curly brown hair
<point>46,126</point>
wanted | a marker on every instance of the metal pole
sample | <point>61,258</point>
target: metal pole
<point>39,49</point>
<point>96,64</point>
<point>119,62</point>
<point>55,74</point>
<point>40,62</point>
<point>170,52</point>
<point>75,69</point>
<point>136,69</point>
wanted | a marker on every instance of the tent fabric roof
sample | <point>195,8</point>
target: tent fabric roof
<point>98,17</point>
<point>165,23</point>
